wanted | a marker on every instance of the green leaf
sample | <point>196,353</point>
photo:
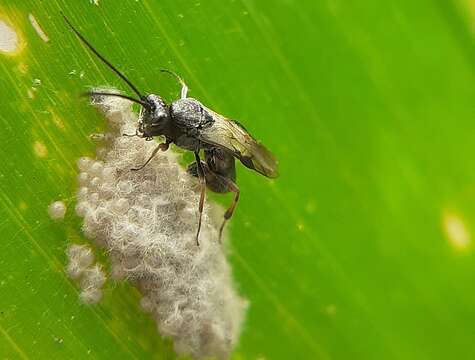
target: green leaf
<point>362,249</point>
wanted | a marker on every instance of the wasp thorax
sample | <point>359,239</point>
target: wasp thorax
<point>190,113</point>
<point>153,118</point>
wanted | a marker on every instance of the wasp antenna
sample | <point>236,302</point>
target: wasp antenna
<point>174,74</point>
<point>184,88</point>
<point>100,93</point>
<point>102,58</point>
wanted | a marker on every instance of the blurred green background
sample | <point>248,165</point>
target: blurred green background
<point>362,249</point>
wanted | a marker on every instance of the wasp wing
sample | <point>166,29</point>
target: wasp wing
<point>231,135</point>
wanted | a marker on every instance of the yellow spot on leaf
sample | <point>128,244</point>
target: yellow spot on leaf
<point>22,206</point>
<point>22,68</point>
<point>469,7</point>
<point>456,231</point>
<point>40,149</point>
<point>311,207</point>
<point>330,310</point>
<point>57,120</point>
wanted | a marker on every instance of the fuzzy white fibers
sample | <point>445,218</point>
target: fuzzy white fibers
<point>92,277</point>
<point>57,210</point>
<point>147,221</point>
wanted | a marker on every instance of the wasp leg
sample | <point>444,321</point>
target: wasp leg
<point>163,146</point>
<point>132,135</point>
<point>219,184</point>
<point>231,186</point>
<point>184,88</point>
<point>201,176</point>
<point>192,169</point>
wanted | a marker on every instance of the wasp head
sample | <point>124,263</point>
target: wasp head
<point>154,117</point>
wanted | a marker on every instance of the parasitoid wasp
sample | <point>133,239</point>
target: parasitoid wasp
<point>190,125</point>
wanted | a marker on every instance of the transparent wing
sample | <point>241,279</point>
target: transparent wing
<point>232,136</point>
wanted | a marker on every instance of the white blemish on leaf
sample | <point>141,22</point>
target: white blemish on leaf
<point>38,28</point>
<point>35,84</point>
<point>8,38</point>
